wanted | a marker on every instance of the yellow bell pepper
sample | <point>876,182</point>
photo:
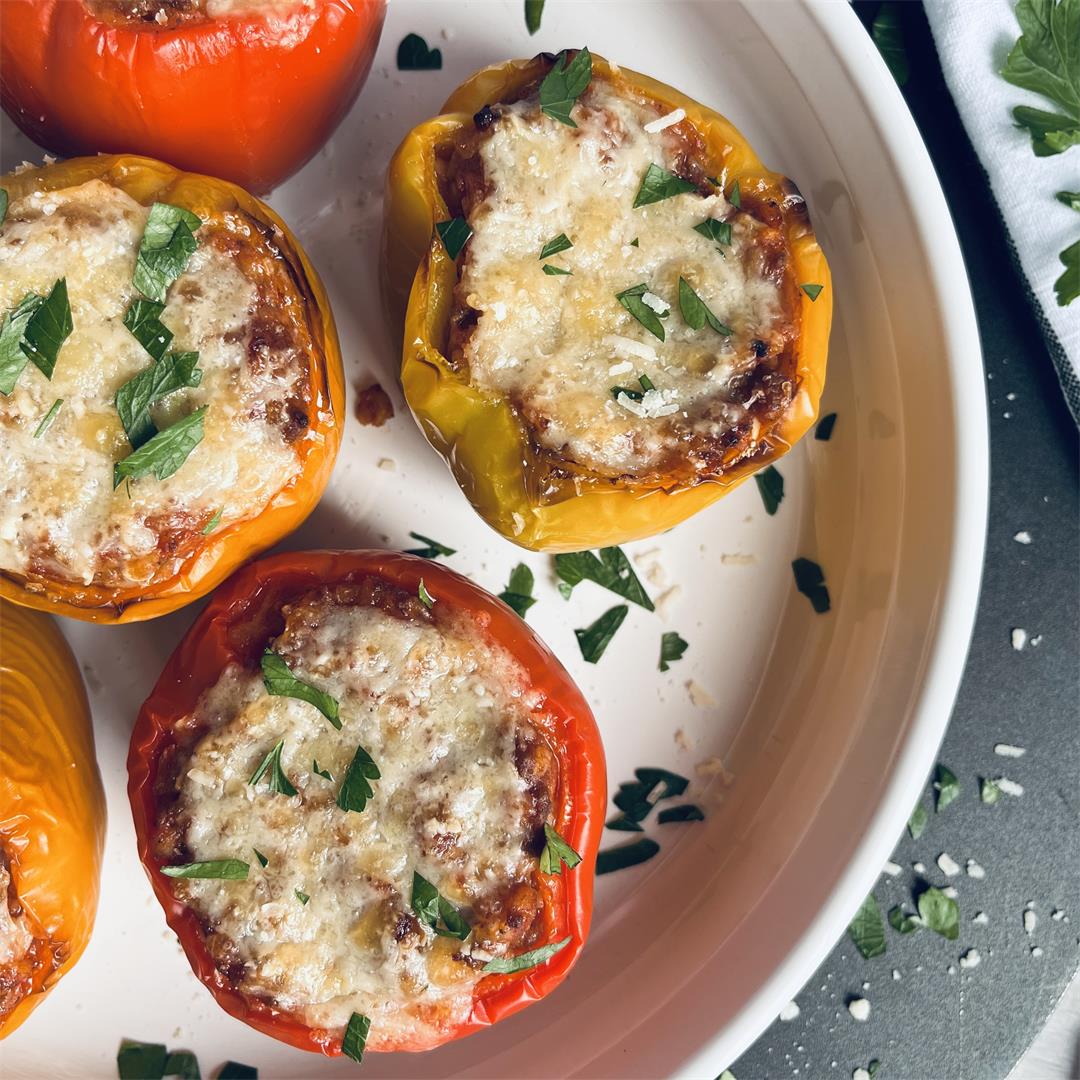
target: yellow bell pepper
<point>52,809</point>
<point>479,433</point>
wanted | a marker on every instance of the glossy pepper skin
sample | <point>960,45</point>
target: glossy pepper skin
<point>249,96</point>
<point>52,807</point>
<point>226,548</point>
<point>479,435</point>
<point>235,627</point>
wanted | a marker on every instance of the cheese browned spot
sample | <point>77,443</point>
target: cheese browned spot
<point>467,782</point>
<point>237,305</point>
<point>556,346</point>
<point>173,14</point>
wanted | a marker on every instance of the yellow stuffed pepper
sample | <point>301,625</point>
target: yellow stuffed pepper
<point>52,813</point>
<point>613,312</point>
<point>171,388</point>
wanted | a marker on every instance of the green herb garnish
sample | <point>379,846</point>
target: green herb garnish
<point>425,597</point>
<point>633,395</point>
<point>534,10</point>
<point>263,860</point>
<point>824,429</point>
<point>627,855</point>
<point>555,271</point>
<point>301,896</point>
<point>719,232</point>
<point>413,54</point>
<point>553,247</point>
<point>889,39</point>
<point>454,234</point>
<point>867,929</point>
<point>686,812</point>
<point>534,957</point>
<point>271,767</point>
<point>770,484</point>
<point>989,792</point>
<point>356,1033</point>
<point>947,787</point>
<point>594,639</point>
<point>518,591</point>
<point>214,522</point>
<point>3,204</point>
<point>168,241</point>
<point>280,682</point>
<point>431,907</point>
<point>631,299</point>
<point>177,371</point>
<point>48,418</point>
<point>163,454</point>
<point>223,869</point>
<point>810,581</point>
<point>940,913</point>
<point>696,312</point>
<point>612,571</point>
<point>142,319</point>
<point>432,549</point>
<point>356,788</point>
<point>49,325</point>
<point>636,798</point>
<point>813,291</point>
<point>556,853</point>
<point>917,822</point>
<point>234,1070</point>
<point>564,84</point>
<point>12,335</point>
<point>1067,287</point>
<point>324,773</point>
<point>735,198</point>
<point>672,648</point>
<point>658,184</point>
<point>903,923</point>
<point>141,1061</point>
<point>1070,198</point>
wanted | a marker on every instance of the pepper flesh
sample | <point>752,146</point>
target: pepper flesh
<point>235,627</point>
<point>478,433</point>
<point>250,95</point>
<point>226,548</point>
<point>52,807</point>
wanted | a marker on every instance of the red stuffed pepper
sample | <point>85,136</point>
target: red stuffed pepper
<point>369,800</point>
<point>247,90</point>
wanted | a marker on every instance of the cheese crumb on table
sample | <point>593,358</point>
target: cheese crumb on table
<point>947,865</point>
<point>859,1009</point>
<point>972,958</point>
<point>789,1012</point>
<point>1007,750</point>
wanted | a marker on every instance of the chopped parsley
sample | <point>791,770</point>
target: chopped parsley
<point>519,589</point>
<point>142,318</point>
<point>867,929</point>
<point>454,235</point>
<point>556,271</point>
<point>1071,199</point>
<point>564,84</point>
<point>234,1070</point>
<point>611,569</point>
<point>917,822</point>
<point>770,484</point>
<point>823,431</point>
<point>356,788</point>
<point>355,1038</point>
<point>554,246</point>
<point>4,198</point>
<point>626,855</point>
<point>1067,287</point>
<point>636,798</point>
<point>271,768</point>
<point>301,896</point>
<point>280,682</point>
<point>946,786</point>
<point>508,965</point>
<point>177,371</point>
<point>556,853</point>
<point>685,812</point>
<point>889,39</point>
<point>163,454</point>
<point>672,648</point>
<point>989,792</point>
<point>594,639</point>
<point>813,291</point>
<point>432,908</point>
<point>13,357</point>
<point>631,299</point>
<point>425,597</point>
<point>168,242</point>
<point>658,184</point>
<point>735,197</point>
<point>432,549</point>
<point>810,581</point>
<point>413,54</point>
<point>263,860</point>
<point>221,869</point>
<point>48,327</point>
<point>534,10</point>
<point>214,522</point>
<point>48,418</point>
<point>324,773</point>
<point>719,232</point>
<point>152,1061</point>
<point>939,913</point>
<point>696,312</point>
<point>903,923</point>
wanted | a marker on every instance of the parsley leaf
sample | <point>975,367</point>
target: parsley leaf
<point>413,54</point>
<point>214,522</point>
<point>564,84</point>
<point>889,39</point>
<point>940,913</point>
<point>810,581</point>
<point>355,1039</point>
<point>277,781</point>
<point>48,418</point>
<point>48,328</point>
<point>658,184</point>
<point>631,299</point>
<point>4,200</point>
<point>263,860</point>
<point>770,483</point>
<point>1067,287</point>
<point>1071,199</point>
<point>917,822</point>
<point>556,852</point>
<point>813,291</point>
<point>12,334</point>
<point>235,1070</point>
<point>696,312</point>
<point>903,923</point>
<point>301,896</point>
<point>183,1063</point>
<point>594,639</point>
<point>223,869</point>
<point>636,798</point>
<point>324,773</point>
<point>735,198</point>
<point>141,1061</point>
<point>867,929</point>
<point>534,9</point>
<point>686,812</point>
<point>507,965</point>
<point>518,591</point>
<point>947,787</point>
<point>168,241</point>
<point>163,454</point>
<point>356,788</point>
<point>177,371</point>
<point>553,247</point>
<point>612,570</point>
<point>142,319</point>
<point>432,549</point>
<point>454,235</point>
<point>627,855</point>
<point>425,597</point>
<point>280,682</point>
<point>672,648</point>
<point>717,231</point>
<point>824,429</point>
<point>556,271</point>
<point>431,906</point>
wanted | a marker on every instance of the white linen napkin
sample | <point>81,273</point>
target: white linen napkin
<point>973,38</point>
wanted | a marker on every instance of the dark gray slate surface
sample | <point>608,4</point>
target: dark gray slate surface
<point>937,1020</point>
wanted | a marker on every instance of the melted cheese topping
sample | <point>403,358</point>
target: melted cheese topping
<point>59,513</point>
<point>439,711</point>
<point>16,936</point>
<point>556,346</point>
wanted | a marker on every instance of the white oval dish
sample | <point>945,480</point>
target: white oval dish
<point>828,723</point>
